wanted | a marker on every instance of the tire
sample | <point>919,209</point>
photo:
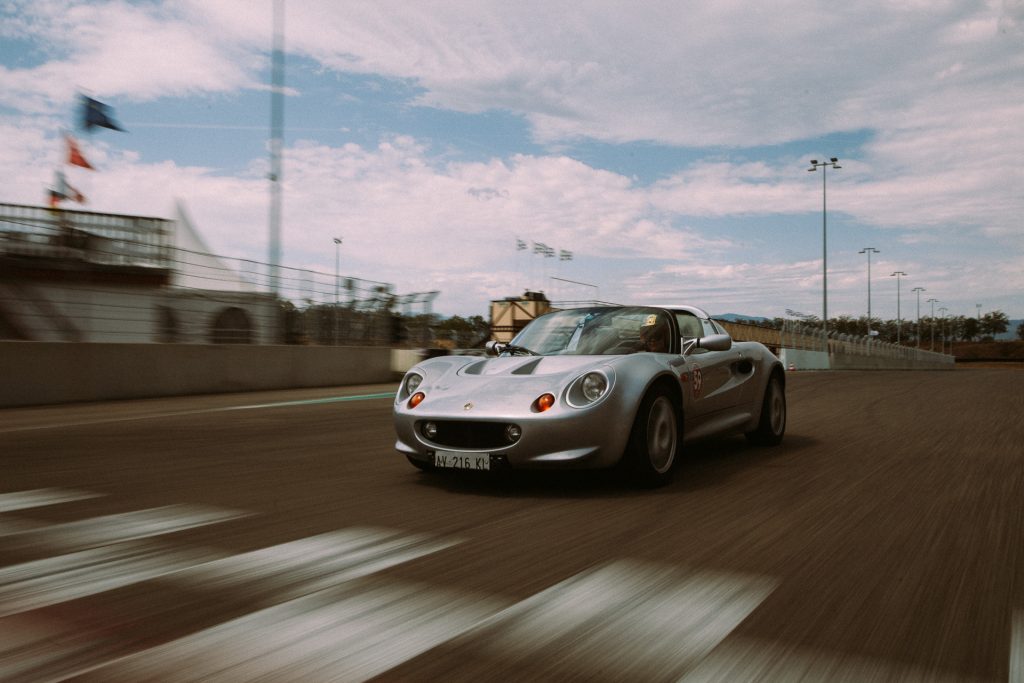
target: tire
<point>772,425</point>
<point>654,442</point>
<point>421,465</point>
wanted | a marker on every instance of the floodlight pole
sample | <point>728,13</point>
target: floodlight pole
<point>869,251</point>
<point>899,319</point>
<point>337,263</point>
<point>933,302</point>
<point>918,335</point>
<point>276,135</point>
<point>942,310</point>
<point>815,164</point>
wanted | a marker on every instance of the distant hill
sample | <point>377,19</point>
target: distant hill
<point>1011,331</point>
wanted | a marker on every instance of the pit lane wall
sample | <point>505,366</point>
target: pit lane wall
<point>802,348</point>
<point>39,373</point>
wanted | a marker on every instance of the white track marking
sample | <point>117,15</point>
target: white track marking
<point>1017,648</point>
<point>303,570</point>
<point>746,660</point>
<point>198,411</point>
<point>21,500</point>
<point>627,620</point>
<point>350,634</point>
<point>128,526</point>
<point>41,583</point>
<point>310,564</point>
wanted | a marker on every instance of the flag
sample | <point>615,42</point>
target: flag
<point>565,255</point>
<point>520,245</point>
<point>61,190</point>
<point>75,156</point>
<point>95,114</point>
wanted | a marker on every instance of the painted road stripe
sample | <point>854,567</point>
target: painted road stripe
<point>41,583</point>
<point>747,660</point>
<point>128,526</point>
<point>296,587</point>
<point>1017,648</point>
<point>625,621</point>
<point>313,401</point>
<point>310,564</point>
<point>182,413</point>
<point>349,634</point>
<point>23,500</point>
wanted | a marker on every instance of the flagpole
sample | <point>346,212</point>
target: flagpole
<point>276,135</point>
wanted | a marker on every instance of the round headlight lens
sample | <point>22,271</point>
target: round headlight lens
<point>412,382</point>
<point>594,385</point>
<point>430,430</point>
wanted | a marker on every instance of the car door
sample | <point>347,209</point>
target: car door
<point>715,376</point>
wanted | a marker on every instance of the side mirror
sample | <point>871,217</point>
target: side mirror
<point>715,342</point>
<point>712,342</point>
<point>494,348</point>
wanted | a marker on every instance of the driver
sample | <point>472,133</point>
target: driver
<point>654,334</point>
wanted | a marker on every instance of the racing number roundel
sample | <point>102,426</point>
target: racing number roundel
<point>698,381</point>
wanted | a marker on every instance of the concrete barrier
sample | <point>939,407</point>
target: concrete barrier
<point>799,359</point>
<point>37,373</point>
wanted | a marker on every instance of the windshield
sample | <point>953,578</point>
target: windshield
<point>597,332</point>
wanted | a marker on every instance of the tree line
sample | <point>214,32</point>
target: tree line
<point>908,332</point>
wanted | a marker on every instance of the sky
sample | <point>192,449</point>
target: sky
<point>664,144</point>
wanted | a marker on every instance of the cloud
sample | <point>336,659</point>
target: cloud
<point>939,86</point>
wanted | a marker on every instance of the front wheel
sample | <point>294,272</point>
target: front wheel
<point>654,440</point>
<point>772,425</point>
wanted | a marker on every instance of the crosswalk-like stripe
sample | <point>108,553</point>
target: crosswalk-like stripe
<point>32,585</point>
<point>299,570</point>
<point>309,564</point>
<point>352,633</point>
<point>747,660</point>
<point>627,620</point>
<point>128,526</point>
<point>1017,648</point>
<point>22,500</point>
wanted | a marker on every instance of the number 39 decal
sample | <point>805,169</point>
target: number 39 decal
<point>698,381</point>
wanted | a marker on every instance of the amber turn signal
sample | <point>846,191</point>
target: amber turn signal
<point>544,402</point>
<point>416,399</point>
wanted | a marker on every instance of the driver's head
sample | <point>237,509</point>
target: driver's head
<point>654,334</point>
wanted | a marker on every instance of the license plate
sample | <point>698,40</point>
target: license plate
<point>462,461</point>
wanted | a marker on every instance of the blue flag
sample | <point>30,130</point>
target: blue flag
<point>95,114</point>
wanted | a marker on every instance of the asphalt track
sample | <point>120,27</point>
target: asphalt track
<point>278,536</point>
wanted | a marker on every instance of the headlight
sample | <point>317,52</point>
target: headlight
<point>594,385</point>
<point>412,382</point>
<point>590,388</point>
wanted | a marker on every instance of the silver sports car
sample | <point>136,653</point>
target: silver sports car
<point>592,388</point>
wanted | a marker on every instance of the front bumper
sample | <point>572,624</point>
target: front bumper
<point>561,438</point>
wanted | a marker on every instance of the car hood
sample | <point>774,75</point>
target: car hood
<point>518,366</point>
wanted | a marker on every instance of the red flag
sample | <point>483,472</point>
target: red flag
<point>75,156</point>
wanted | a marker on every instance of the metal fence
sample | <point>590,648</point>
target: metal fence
<point>84,276</point>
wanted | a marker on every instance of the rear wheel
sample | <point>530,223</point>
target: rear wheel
<point>772,426</point>
<point>654,442</point>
